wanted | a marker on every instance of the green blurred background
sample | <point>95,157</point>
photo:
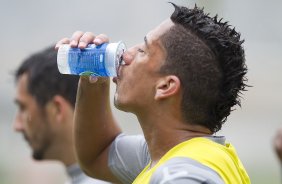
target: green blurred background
<point>28,26</point>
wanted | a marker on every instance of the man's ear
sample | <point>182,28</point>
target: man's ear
<point>167,86</point>
<point>59,108</point>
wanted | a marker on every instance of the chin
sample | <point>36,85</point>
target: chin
<point>123,107</point>
<point>119,105</point>
<point>38,156</point>
<point>122,104</point>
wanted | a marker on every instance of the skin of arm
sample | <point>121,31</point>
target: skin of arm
<point>95,126</point>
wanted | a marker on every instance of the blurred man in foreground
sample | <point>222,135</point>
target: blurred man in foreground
<point>46,100</point>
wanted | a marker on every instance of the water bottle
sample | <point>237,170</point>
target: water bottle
<point>101,60</point>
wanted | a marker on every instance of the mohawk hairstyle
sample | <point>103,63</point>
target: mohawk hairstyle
<point>214,68</point>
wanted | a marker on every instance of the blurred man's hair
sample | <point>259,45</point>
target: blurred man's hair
<point>44,79</point>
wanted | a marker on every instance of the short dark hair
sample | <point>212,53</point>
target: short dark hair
<point>44,79</point>
<point>208,57</point>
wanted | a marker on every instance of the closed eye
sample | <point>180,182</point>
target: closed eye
<point>140,50</point>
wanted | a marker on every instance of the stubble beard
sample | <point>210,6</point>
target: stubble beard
<point>38,153</point>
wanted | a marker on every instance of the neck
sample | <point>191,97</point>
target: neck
<point>62,148</point>
<point>67,151</point>
<point>163,132</point>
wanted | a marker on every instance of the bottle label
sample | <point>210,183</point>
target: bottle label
<point>88,61</point>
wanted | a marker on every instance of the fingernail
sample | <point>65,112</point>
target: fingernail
<point>93,79</point>
<point>73,43</point>
<point>82,44</point>
<point>98,41</point>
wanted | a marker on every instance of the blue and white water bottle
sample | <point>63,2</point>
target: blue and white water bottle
<point>101,60</point>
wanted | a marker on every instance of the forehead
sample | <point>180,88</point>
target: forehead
<point>22,83</point>
<point>22,88</point>
<point>154,35</point>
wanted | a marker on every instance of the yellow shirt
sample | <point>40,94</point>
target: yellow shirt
<point>221,158</point>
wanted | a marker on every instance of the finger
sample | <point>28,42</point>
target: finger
<point>101,38</point>
<point>86,38</point>
<point>75,38</point>
<point>61,42</point>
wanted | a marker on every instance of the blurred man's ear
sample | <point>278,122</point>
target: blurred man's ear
<point>167,86</point>
<point>59,108</point>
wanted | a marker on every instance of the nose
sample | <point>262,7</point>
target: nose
<point>18,123</point>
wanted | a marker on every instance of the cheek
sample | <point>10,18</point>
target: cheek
<point>22,120</point>
<point>32,126</point>
<point>30,131</point>
<point>37,135</point>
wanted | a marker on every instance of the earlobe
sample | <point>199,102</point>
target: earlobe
<point>167,86</point>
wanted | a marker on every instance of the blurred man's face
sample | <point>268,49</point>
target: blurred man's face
<point>31,120</point>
